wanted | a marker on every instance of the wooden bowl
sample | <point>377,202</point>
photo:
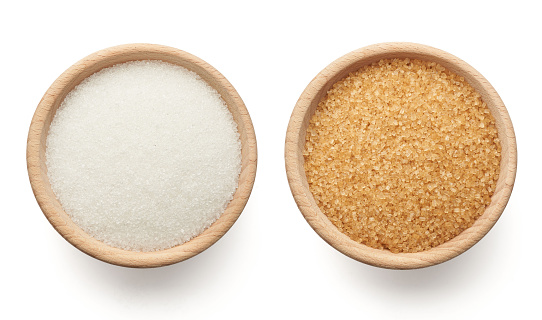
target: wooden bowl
<point>51,207</point>
<point>295,141</point>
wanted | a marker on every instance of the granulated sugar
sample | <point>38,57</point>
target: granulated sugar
<point>143,155</point>
<point>402,155</point>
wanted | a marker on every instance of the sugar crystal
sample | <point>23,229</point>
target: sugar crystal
<point>413,150</point>
<point>144,155</point>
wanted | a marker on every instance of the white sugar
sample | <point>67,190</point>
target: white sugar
<point>143,155</point>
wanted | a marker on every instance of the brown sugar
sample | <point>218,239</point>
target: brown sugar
<point>402,155</point>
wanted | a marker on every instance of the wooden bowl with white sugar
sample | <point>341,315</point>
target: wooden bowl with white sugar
<point>143,171</point>
<point>352,211</point>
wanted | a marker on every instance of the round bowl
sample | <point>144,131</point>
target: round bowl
<point>52,208</point>
<point>295,141</point>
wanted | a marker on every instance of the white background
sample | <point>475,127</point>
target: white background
<point>271,264</point>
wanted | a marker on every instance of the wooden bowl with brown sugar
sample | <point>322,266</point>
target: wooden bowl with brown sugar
<point>51,206</point>
<point>400,155</point>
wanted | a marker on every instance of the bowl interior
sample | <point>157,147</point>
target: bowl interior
<point>38,169</point>
<point>306,108</point>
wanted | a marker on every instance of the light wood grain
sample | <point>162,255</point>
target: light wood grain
<point>51,207</point>
<point>295,141</point>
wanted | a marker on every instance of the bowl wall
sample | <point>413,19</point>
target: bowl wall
<point>295,141</point>
<point>52,208</point>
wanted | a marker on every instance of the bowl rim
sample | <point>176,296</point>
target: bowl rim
<point>313,93</point>
<point>51,207</point>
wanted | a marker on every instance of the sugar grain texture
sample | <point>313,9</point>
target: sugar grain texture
<point>402,155</point>
<point>143,155</point>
